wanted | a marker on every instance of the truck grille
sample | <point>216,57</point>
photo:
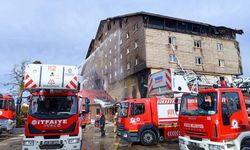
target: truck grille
<point>120,126</point>
<point>195,148</point>
<point>195,133</point>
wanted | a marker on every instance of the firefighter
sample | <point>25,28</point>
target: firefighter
<point>223,82</point>
<point>102,124</point>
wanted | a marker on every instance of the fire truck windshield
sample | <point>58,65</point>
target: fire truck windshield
<point>53,107</point>
<point>3,104</point>
<point>199,105</point>
<point>123,110</point>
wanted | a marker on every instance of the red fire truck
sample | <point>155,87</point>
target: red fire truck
<point>54,117</point>
<point>153,119</point>
<point>7,113</point>
<point>214,119</point>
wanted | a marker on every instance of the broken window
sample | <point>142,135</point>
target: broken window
<point>197,44</point>
<point>172,40</point>
<point>136,27</point>
<point>121,70</point>
<point>198,60</point>
<point>128,51</point>
<point>219,46</point>
<point>221,63</point>
<point>135,44</point>
<point>172,58</point>
<point>127,35</point>
<point>128,66</point>
<point>136,61</point>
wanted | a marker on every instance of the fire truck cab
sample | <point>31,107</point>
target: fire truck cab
<point>55,109</point>
<point>7,113</point>
<point>214,119</point>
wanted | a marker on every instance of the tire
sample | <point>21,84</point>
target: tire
<point>148,138</point>
<point>83,126</point>
<point>245,145</point>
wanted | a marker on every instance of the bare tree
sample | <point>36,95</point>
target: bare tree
<point>16,76</point>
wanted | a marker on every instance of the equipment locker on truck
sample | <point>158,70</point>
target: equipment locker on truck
<point>54,116</point>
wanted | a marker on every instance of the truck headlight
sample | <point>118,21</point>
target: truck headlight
<point>125,135</point>
<point>216,147</point>
<point>74,141</point>
<point>181,141</point>
<point>28,143</point>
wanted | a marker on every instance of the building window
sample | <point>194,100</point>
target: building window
<point>105,55</point>
<point>221,63</point>
<point>197,44</point>
<point>219,46</point>
<point>110,51</point>
<point>136,27</point>
<point>172,58</point>
<point>136,61</point>
<point>197,60</point>
<point>172,40</point>
<point>127,50</point>
<point>97,111</point>
<point>110,63</point>
<point>115,47</point>
<point>115,60</point>
<point>106,67</point>
<point>128,66</point>
<point>127,35</point>
<point>120,56</point>
<point>135,44</point>
<point>110,76</point>
<point>115,73</point>
<point>121,70</point>
<point>121,42</point>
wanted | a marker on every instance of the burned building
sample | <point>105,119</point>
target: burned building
<point>128,48</point>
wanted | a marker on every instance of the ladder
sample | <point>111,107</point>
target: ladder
<point>191,78</point>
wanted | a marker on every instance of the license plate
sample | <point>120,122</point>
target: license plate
<point>194,144</point>
<point>51,142</point>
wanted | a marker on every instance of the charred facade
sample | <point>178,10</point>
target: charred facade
<point>128,48</point>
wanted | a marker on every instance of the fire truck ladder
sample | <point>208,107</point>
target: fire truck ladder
<point>191,78</point>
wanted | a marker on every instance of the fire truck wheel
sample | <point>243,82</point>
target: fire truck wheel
<point>245,145</point>
<point>83,126</point>
<point>148,138</point>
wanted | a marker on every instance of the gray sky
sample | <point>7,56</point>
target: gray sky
<point>59,31</point>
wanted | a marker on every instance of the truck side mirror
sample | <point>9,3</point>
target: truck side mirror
<point>87,101</point>
<point>18,105</point>
<point>176,108</point>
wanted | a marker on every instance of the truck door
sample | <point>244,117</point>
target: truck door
<point>139,115</point>
<point>231,115</point>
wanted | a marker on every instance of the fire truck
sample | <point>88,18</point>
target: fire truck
<point>54,116</point>
<point>214,119</point>
<point>150,120</point>
<point>7,113</point>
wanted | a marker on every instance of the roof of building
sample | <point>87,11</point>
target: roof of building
<point>96,94</point>
<point>142,13</point>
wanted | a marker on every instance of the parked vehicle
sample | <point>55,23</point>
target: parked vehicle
<point>214,119</point>
<point>7,113</point>
<point>153,119</point>
<point>54,117</point>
